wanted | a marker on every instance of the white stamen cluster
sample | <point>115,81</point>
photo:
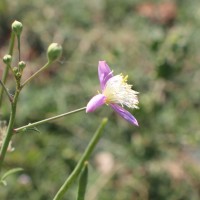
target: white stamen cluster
<point>118,91</point>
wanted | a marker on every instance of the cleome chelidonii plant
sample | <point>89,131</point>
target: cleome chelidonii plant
<point>115,92</point>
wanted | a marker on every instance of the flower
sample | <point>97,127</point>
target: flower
<point>115,90</point>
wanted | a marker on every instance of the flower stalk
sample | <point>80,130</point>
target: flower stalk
<point>23,128</point>
<point>17,28</point>
<point>6,91</point>
<point>54,52</point>
<point>35,74</point>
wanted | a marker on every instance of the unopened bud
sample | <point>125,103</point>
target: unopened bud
<point>17,27</point>
<point>15,70</point>
<point>18,75</point>
<point>7,59</point>
<point>21,65</point>
<point>54,52</point>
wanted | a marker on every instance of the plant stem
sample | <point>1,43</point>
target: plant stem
<point>5,74</point>
<point>7,93</point>
<point>47,120</point>
<point>11,45</point>
<point>8,137</point>
<point>19,52</point>
<point>35,74</point>
<point>9,134</point>
<point>81,162</point>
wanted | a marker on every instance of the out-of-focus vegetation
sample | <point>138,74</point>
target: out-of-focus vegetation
<point>157,44</point>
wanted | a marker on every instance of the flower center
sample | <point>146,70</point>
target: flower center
<point>118,91</point>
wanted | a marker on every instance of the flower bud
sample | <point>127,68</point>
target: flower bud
<point>15,70</point>
<point>18,75</point>
<point>7,59</point>
<point>17,27</point>
<point>54,52</point>
<point>21,65</point>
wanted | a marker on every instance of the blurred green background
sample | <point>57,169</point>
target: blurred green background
<point>157,43</point>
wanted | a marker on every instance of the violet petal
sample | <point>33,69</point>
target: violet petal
<point>96,101</point>
<point>124,114</point>
<point>104,73</point>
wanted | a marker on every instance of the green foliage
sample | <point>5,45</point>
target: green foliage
<point>83,183</point>
<point>157,161</point>
<point>8,173</point>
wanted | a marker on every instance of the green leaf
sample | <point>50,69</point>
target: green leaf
<point>83,183</point>
<point>3,182</point>
<point>30,129</point>
<point>9,172</point>
<point>34,129</point>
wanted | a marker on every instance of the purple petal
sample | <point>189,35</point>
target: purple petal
<point>125,114</point>
<point>104,73</point>
<point>95,102</point>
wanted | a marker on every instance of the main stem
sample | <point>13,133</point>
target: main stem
<point>47,120</point>
<point>81,162</point>
<point>9,129</point>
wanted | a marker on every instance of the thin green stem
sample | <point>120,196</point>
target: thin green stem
<point>47,120</point>
<point>18,42</point>
<point>81,162</point>
<point>5,74</point>
<point>11,45</point>
<point>35,74</point>
<point>5,89</point>
<point>9,134</point>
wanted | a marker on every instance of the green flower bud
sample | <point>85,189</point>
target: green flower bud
<point>54,52</point>
<point>18,75</point>
<point>17,27</point>
<point>7,59</point>
<point>21,65</point>
<point>15,70</point>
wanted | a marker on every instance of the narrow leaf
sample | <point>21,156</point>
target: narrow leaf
<point>83,183</point>
<point>34,129</point>
<point>24,130</point>
<point>9,172</point>
<point>3,182</point>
